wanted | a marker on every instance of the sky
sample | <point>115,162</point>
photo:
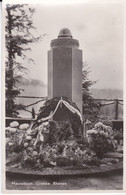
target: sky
<point>99,29</point>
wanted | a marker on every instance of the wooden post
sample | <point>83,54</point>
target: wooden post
<point>33,113</point>
<point>84,130</point>
<point>86,127</point>
<point>116,109</point>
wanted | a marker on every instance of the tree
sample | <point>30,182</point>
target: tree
<point>18,28</point>
<point>90,106</point>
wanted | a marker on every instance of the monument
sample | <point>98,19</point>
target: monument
<point>65,68</point>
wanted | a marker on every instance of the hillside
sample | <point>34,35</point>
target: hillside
<point>39,89</point>
<point>107,93</point>
<point>35,87</point>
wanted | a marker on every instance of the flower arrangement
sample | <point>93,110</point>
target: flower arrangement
<point>30,148</point>
<point>101,139</point>
<point>50,144</point>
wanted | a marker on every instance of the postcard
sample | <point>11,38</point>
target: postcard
<point>63,96</point>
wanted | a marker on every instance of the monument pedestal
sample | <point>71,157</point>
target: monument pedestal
<point>65,69</point>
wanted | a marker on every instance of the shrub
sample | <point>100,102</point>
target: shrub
<point>100,139</point>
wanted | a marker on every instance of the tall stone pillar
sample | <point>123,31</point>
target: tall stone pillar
<point>65,68</point>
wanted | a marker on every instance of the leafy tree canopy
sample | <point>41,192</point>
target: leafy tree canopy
<point>19,35</point>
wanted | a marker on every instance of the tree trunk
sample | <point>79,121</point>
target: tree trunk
<point>10,101</point>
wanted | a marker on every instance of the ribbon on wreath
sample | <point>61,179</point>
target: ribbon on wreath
<point>71,108</point>
<point>39,135</point>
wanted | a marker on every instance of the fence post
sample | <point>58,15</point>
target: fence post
<point>116,109</point>
<point>33,113</point>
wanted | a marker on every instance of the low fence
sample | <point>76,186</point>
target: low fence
<point>111,109</point>
<point>31,104</point>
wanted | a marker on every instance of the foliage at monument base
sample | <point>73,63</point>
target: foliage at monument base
<point>51,144</point>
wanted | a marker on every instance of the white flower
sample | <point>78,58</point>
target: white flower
<point>14,124</point>
<point>53,163</point>
<point>46,123</point>
<point>89,131</point>
<point>7,128</point>
<point>35,153</point>
<point>29,131</point>
<point>13,130</point>
<point>10,144</point>
<point>44,129</point>
<point>24,126</point>
<point>26,144</point>
<point>41,127</point>
<point>95,131</point>
<point>109,129</point>
<point>106,134</point>
<point>99,124</point>
<point>92,131</point>
<point>102,132</point>
<point>28,137</point>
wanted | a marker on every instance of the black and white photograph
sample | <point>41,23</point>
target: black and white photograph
<point>63,90</point>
